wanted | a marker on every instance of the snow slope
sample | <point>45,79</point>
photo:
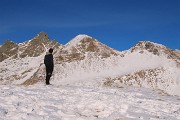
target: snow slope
<point>81,103</point>
<point>17,71</point>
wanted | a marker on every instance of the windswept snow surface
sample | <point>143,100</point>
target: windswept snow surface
<point>52,102</point>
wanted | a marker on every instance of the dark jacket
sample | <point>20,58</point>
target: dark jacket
<point>48,61</point>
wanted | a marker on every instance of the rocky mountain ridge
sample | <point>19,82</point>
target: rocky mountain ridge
<point>177,52</point>
<point>84,61</point>
<point>32,48</point>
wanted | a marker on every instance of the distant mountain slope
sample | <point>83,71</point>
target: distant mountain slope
<point>8,49</point>
<point>31,48</point>
<point>177,52</point>
<point>162,71</point>
<point>36,46</point>
<point>85,61</point>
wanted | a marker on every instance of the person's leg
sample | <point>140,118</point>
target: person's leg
<point>47,79</point>
<point>48,75</point>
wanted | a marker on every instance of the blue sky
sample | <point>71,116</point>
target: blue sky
<point>119,24</point>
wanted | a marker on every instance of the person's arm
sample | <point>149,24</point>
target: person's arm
<point>51,61</point>
<point>45,59</point>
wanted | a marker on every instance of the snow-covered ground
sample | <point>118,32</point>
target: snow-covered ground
<point>53,102</point>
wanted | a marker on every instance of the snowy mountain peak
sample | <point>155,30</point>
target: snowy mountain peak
<point>42,35</point>
<point>86,44</point>
<point>31,48</point>
<point>84,47</point>
<point>8,49</point>
<point>38,45</point>
<point>76,40</point>
<point>9,42</point>
<point>156,49</point>
<point>148,44</point>
<point>82,36</point>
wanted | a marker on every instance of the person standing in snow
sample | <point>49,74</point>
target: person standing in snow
<point>49,63</point>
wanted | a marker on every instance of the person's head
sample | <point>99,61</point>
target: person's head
<point>50,50</point>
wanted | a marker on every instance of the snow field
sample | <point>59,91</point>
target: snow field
<point>79,103</point>
<point>17,71</point>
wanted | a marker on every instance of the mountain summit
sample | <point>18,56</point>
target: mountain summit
<point>156,49</point>
<point>8,49</point>
<point>38,45</point>
<point>31,48</point>
<point>75,41</point>
<point>85,43</point>
<point>42,36</point>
